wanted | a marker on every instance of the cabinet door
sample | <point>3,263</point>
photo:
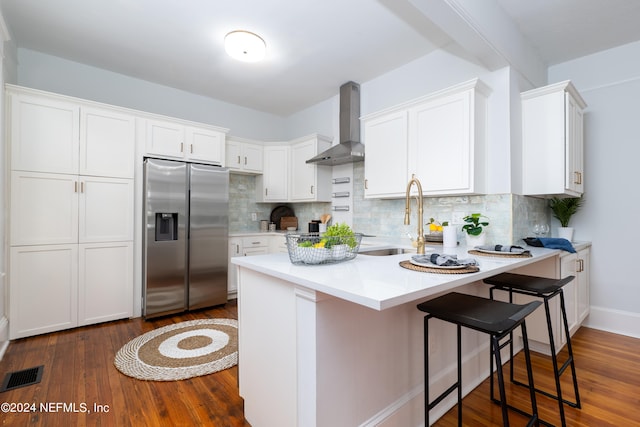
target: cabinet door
<point>44,208</point>
<point>43,293</point>
<point>385,165</point>
<point>44,134</point>
<point>275,173</point>
<point>303,182</point>
<point>106,209</point>
<point>252,158</point>
<point>440,147</point>
<point>235,249</point>
<point>568,265</point>
<point>165,139</point>
<point>583,300</point>
<point>574,168</point>
<point>107,143</point>
<point>106,282</point>
<point>205,145</point>
<point>233,156</point>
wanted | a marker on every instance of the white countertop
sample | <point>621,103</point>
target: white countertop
<point>379,282</point>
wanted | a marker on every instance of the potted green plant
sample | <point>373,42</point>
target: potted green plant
<point>474,229</point>
<point>563,209</point>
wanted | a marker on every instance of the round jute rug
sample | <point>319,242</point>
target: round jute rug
<point>180,351</point>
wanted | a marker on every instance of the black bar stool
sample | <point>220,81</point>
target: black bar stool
<point>496,318</point>
<point>546,289</point>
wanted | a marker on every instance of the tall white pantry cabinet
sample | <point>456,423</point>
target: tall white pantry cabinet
<point>71,212</point>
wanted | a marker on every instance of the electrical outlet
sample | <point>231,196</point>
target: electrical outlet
<point>456,217</point>
<point>254,216</point>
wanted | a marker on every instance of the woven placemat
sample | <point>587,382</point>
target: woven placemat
<point>409,266</point>
<point>505,255</point>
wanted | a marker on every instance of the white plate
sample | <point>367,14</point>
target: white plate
<point>442,267</point>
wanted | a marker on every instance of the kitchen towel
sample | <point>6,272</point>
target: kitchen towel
<point>444,260</point>
<point>504,248</point>
<point>551,243</point>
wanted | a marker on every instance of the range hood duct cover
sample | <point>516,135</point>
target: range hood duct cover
<point>350,149</point>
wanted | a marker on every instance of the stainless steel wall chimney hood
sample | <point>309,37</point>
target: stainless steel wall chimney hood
<point>350,149</point>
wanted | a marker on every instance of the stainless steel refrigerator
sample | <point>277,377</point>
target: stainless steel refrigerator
<point>185,236</point>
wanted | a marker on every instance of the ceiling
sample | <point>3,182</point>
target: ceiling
<point>313,46</point>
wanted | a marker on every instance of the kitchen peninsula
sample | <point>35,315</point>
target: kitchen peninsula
<point>342,344</point>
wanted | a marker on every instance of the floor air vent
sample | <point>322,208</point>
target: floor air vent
<point>22,378</point>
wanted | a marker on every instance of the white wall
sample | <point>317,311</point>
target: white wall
<point>609,82</point>
<point>50,73</point>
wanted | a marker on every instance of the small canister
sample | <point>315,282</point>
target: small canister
<point>314,227</point>
<point>272,226</point>
<point>264,224</point>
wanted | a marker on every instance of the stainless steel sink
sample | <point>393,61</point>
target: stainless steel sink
<point>385,252</point>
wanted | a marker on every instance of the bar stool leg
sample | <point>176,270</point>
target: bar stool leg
<point>495,345</point>
<point>426,371</point>
<point>554,359</point>
<point>570,353</point>
<point>459,375</point>
<point>532,389</point>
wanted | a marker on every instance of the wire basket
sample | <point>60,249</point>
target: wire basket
<point>314,248</point>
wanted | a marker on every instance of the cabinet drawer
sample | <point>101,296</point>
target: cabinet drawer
<point>254,242</point>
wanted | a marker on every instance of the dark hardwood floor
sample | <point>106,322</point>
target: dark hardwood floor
<point>78,369</point>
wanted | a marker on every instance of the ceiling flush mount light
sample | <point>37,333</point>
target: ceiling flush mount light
<point>245,46</point>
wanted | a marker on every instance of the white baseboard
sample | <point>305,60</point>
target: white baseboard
<point>4,336</point>
<point>615,321</point>
<point>408,409</point>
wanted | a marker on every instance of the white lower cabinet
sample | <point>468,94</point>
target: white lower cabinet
<point>235,249</point>
<point>576,297</point>
<point>248,245</point>
<point>71,255</point>
<point>56,287</point>
<point>105,282</point>
<point>43,296</point>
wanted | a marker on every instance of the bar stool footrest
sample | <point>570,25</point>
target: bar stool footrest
<point>443,395</point>
<point>549,395</point>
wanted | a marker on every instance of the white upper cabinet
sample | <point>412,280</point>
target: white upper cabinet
<point>386,145</point>
<point>244,156</point>
<point>107,142</point>
<point>178,140</point>
<point>440,138</point>
<point>44,133</point>
<point>448,135</point>
<point>309,182</point>
<point>552,141</point>
<point>205,145</point>
<point>51,134</point>
<point>165,138</point>
<point>286,175</point>
<point>273,184</point>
